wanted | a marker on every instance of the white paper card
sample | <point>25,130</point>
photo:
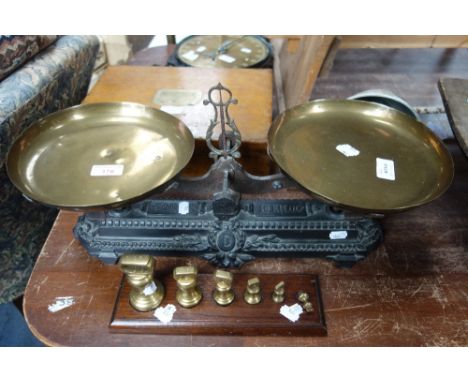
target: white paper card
<point>61,303</point>
<point>385,169</point>
<point>336,235</point>
<point>227,58</point>
<point>107,170</point>
<point>150,289</point>
<point>348,150</point>
<point>174,110</point>
<point>193,116</point>
<point>292,312</point>
<point>246,50</point>
<point>184,208</point>
<point>165,314</point>
<point>201,49</point>
<point>190,55</point>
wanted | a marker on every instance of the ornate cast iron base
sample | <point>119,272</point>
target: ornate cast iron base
<point>272,220</point>
<point>229,216</point>
<point>279,228</point>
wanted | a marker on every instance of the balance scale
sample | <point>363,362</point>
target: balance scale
<point>344,164</point>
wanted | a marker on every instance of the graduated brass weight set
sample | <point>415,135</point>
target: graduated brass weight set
<point>345,163</point>
<point>147,293</point>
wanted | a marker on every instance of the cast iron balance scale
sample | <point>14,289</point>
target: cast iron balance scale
<point>344,163</point>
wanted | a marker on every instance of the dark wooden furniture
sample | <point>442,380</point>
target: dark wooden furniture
<point>454,92</point>
<point>240,318</point>
<point>155,56</point>
<point>409,73</point>
<point>253,88</point>
<point>412,291</point>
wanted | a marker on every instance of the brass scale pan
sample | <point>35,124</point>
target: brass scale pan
<point>355,154</point>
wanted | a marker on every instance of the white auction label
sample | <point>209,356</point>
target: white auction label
<point>348,150</point>
<point>150,289</point>
<point>201,49</point>
<point>165,314</point>
<point>292,313</point>
<point>190,55</point>
<point>184,208</point>
<point>174,110</point>
<point>246,50</point>
<point>61,303</point>
<point>336,235</point>
<point>385,169</point>
<point>227,58</point>
<point>107,170</point>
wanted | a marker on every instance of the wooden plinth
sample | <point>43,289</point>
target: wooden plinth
<point>239,318</point>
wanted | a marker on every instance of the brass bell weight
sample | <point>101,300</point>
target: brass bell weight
<point>188,294</point>
<point>223,293</point>
<point>253,293</point>
<point>146,293</point>
<point>278,293</point>
<point>304,298</point>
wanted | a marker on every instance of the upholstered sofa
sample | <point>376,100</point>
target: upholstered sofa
<point>38,75</point>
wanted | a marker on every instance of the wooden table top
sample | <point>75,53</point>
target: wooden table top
<point>252,87</point>
<point>411,291</point>
<point>454,92</point>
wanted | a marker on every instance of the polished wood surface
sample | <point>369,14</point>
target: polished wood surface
<point>454,92</point>
<point>389,41</point>
<point>411,291</point>
<point>155,56</point>
<point>238,318</point>
<point>296,72</point>
<point>252,87</point>
<point>409,73</point>
<point>427,41</point>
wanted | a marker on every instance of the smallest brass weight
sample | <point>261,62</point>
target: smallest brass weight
<point>147,293</point>
<point>278,292</point>
<point>304,297</point>
<point>223,294</point>
<point>188,294</point>
<point>253,293</point>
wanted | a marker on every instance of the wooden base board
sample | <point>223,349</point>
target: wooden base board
<point>239,318</point>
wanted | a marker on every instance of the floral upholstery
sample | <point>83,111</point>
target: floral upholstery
<point>56,78</point>
<point>16,50</point>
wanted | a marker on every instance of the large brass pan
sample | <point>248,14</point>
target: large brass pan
<point>361,155</point>
<point>99,155</point>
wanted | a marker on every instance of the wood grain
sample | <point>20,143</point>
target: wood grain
<point>238,318</point>
<point>412,291</point>
<point>425,41</point>
<point>409,73</point>
<point>252,87</point>
<point>454,93</point>
<point>299,69</point>
<point>155,56</point>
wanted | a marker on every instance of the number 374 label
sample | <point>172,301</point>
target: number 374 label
<point>107,170</point>
<point>385,169</point>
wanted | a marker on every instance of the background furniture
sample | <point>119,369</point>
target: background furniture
<point>39,75</point>
<point>454,92</point>
<point>296,68</point>
<point>253,114</point>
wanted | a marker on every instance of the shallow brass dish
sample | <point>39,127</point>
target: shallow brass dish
<point>99,155</point>
<point>304,142</point>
